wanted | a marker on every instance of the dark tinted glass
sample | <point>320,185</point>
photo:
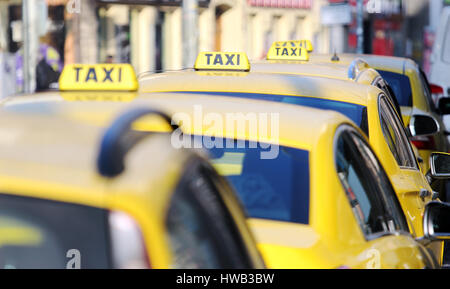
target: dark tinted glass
<point>357,113</point>
<point>400,85</point>
<point>441,163</point>
<point>275,189</point>
<point>38,233</point>
<point>440,218</point>
<point>374,204</point>
<point>202,232</point>
<point>193,245</point>
<point>365,204</point>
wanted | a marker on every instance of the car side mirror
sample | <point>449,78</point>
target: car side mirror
<point>444,105</point>
<point>436,221</point>
<point>440,165</point>
<point>423,125</point>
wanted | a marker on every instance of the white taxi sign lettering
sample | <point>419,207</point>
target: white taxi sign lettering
<point>236,61</point>
<point>287,50</point>
<point>95,77</point>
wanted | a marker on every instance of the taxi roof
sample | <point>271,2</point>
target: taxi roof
<point>55,158</point>
<point>101,113</point>
<point>391,63</point>
<point>258,83</point>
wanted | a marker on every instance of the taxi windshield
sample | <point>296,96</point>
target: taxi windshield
<point>40,234</point>
<point>400,85</point>
<point>275,188</point>
<point>357,113</point>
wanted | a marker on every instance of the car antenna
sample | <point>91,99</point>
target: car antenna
<point>335,56</point>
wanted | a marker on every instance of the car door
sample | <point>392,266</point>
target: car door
<point>202,231</point>
<point>409,182</point>
<point>412,187</point>
<point>376,208</point>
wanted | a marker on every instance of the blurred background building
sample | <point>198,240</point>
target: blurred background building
<point>148,33</point>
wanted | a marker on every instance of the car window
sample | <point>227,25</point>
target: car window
<point>394,212</point>
<point>401,86</point>
<point>426,91</point>
<point>37,234</point>
<point>395,135</point>
<point>374,204</point>
<point>201,231</point>
<point>276,188</point>
<point>381,84</point>
<point>357,113</point>
<point>193,247</point>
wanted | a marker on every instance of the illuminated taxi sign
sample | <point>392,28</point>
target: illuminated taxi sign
<point>232,61</point>
<point>98,77</point>
<point>287,50</point>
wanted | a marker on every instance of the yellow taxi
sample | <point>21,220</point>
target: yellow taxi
<point>75,195</point>
<point>426,125</point>
<point>368,106</point>
<point>411,89</point>
<point>289,57</point>
<point>299,221</point>
<point>229,164</point>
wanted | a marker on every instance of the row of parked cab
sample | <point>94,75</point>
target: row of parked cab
<point>342,170</point>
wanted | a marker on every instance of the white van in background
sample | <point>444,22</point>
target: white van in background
<point>440,59</point>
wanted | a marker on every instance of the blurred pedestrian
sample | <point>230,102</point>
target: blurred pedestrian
<point>49,65</point>
<point>19,69</point>
<point>109,59</point>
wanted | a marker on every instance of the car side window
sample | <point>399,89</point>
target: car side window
<point>356,181</point>
<point>394,215</point>
<point>192,246</point>
<point>381,84</point>
<point>395,135</point>
<point>374,204</point>
<point>426,90</point>
<point>201,232</point>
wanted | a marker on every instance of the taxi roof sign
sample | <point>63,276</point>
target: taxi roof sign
<point>231,61</point>
<point>288,50</point>
<point>98,77</point>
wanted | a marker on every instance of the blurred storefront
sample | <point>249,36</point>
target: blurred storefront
<point>384,27</point>
<point>148,33</point>
<point>48,30</point>
<point>268,21</point>
<point>337,16</point>
<point>224,25</point>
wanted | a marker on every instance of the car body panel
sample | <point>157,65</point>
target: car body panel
<point>35,163</point>
<point>407,182</point>
<point>333,237</point>
<point>410,69</point>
